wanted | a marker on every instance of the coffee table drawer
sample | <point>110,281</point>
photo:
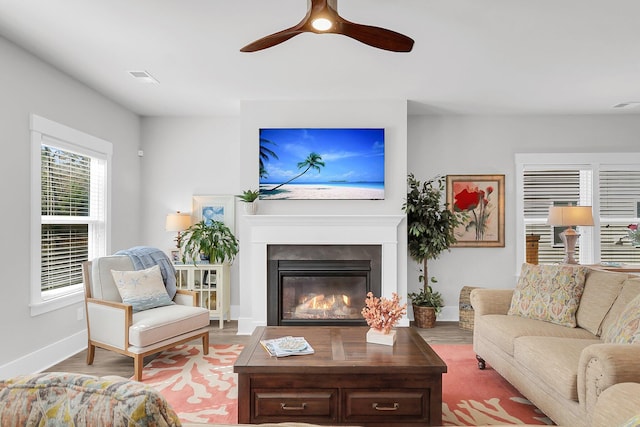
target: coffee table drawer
<point>363,405</point>
<point>319,405</point>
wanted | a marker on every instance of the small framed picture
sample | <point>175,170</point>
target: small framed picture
<point>214,208</point>
<point>175,255</point>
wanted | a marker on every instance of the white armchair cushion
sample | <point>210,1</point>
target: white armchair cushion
<point>143,289</point>
<point>161,323</point>
<point>102,286</point>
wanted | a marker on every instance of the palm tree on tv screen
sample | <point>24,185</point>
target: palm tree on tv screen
<point>265,154</point>
<point>313,160</point>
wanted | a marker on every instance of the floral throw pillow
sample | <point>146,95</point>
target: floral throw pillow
<point>625,330</point>
<point>549,292</point>
<point>143,289</point>
<point>632,422</point>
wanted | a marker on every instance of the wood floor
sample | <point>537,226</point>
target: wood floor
<point>110,363</point>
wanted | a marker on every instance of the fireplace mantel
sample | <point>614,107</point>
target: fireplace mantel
<point>259,231</point>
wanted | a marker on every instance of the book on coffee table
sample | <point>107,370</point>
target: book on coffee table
<point>287,346</point>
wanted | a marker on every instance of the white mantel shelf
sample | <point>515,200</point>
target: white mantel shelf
<point>259,231</point>
<point>342,229</point>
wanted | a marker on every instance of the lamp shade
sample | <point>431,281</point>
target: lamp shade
<point>570,215</point>
<point>178,221</point>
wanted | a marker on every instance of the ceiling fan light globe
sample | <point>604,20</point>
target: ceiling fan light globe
<point>322,24</point>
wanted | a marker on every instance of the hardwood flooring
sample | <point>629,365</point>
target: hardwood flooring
<point>110,363</point>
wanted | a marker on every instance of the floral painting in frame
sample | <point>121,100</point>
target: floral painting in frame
<point>479,201</point>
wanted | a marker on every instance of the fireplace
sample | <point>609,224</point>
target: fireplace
<point>282,237</point>
<point>321,284</point>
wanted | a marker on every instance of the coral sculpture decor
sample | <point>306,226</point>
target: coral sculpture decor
<point>381,315</point>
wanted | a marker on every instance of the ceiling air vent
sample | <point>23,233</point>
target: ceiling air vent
<point>143,76</point>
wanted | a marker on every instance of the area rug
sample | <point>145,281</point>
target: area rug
<point>203,389</point>
<point>474,397</point>
<point>200,388</point>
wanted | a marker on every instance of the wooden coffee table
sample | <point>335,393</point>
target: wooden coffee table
<point>346,381</point>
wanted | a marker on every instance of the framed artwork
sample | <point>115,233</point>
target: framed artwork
<point>214,208</point>
<point>479,201</point>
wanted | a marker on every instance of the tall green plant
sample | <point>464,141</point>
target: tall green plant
<point>213,239</point>
<point>430,225</point>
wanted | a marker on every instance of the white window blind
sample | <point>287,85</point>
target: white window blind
<point>619,204</point>
<point>66,190</point>
<point>554,187</point>
<point>609,182</point>
<point>70,202</point>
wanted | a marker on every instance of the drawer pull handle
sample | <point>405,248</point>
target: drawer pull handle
<point>379,407</point>
<point>284,407</point>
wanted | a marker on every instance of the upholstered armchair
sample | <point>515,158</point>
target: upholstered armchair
<point>117,326</point>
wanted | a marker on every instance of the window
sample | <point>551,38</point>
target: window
<point>609,182</point>
<point>69,203</point>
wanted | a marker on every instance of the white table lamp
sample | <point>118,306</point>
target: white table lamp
<point>570,216</point>
<point>178,222</point>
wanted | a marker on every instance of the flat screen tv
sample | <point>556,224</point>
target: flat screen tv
<point>322,163</point>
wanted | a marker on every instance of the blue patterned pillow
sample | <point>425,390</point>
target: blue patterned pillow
<point>143,289</point>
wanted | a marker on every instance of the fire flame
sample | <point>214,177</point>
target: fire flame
<point>320,302</point>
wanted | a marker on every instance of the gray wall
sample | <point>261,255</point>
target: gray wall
<point>30,86</point>
<point>460,145</point>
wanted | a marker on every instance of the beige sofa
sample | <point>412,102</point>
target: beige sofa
<point>565,371</point>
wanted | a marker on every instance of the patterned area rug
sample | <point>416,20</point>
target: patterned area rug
<point>474,397</point>
<point>201,389</point>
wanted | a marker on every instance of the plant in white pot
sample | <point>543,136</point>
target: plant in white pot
<point>250,199</point>
<point>430,231</point>
<point>211,240</point>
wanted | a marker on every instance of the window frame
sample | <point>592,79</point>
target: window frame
<point>44,131</point>
<point>592,161</point>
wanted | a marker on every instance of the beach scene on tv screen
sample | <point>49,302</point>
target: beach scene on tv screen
<point>322,163</point>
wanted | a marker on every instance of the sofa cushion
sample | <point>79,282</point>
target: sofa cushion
<point>158,324</point>
<point>72,399</point>
<point>143,289</point>
<point>549,292</point>
<point>553,361</point>
<point>630,289</point>
<point>502,330</point>
<point>601,288</point>
<point>626,330</point>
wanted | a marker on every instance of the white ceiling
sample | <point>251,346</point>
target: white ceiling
<point>470,56</point>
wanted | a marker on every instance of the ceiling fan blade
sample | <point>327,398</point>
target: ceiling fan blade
<point>272,39</point>
<point>375,36</point>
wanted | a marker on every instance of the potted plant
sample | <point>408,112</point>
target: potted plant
<point>213,240</point>
<point>250,198</point>
<point>430,231</point>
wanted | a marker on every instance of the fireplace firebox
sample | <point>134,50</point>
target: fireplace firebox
<point>319,292</point>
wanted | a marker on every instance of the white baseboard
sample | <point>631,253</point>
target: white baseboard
<point>45,357</point>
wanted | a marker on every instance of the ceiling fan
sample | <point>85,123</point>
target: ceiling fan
<point>322,17</point>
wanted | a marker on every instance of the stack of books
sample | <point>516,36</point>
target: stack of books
<point>287,346</point>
